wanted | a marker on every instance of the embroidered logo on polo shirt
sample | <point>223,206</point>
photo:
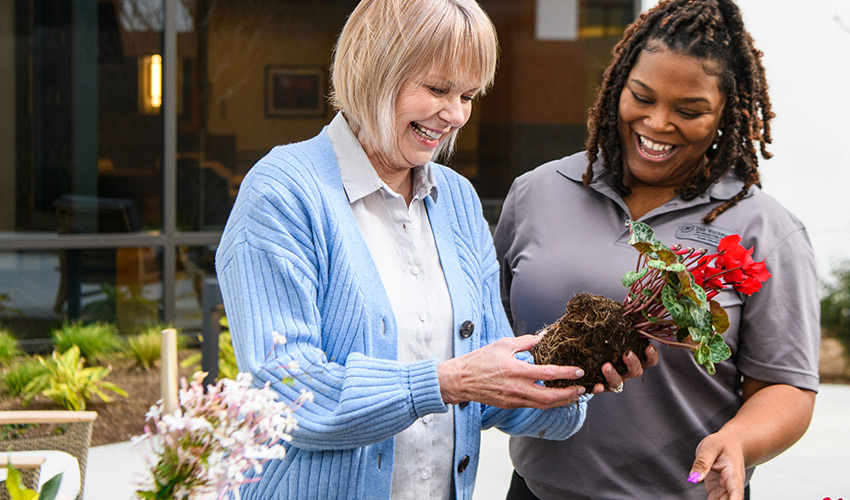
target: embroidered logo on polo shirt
<point>702,233</point>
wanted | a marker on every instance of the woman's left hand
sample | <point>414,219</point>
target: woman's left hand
<point>720,464</point>
<point>616,382</point>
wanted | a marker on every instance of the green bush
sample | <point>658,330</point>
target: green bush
<point>93,339</point>
<point>226,357</point>
<point>9,348</point>
<point>835,306</point>
<point>19,374</point>
<point>145,348</point>
<point>70,384</point>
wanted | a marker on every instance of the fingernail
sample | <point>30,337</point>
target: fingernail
<point>631,355</point>
<point>651,350</point>
<point>581,390</point>
<point>579,373</point>
<point>694,477</point>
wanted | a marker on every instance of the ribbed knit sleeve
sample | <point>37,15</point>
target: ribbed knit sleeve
<point>283,267</point>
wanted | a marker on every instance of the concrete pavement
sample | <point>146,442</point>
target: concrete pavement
<point>818,466</point>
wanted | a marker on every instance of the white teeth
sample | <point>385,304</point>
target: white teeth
<point>434,136</point>
<point>658,148</point>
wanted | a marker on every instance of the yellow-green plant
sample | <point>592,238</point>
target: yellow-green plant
<point>17,490</point>
<point>69,383</point>
<point>9,348</point>
<point>145,348</point>
<point>93,339</point>
<point>226,358</point>
<point>20,373</point>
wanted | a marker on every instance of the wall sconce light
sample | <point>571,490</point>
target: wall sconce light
<point>150,84</point>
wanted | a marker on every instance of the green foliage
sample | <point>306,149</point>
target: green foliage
<point>93,339</point>
<point>9,348</point>
<point>698,322</point>
<point>69,383</point>
<point>17,491</point>
<point>145,348</point>
<point>20,373</point>
<point>226,357</point>
<point>835,306</point>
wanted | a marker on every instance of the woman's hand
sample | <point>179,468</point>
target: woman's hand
<point>493,376</point>
<point>720,463</point>
<point>616,381</point>
<point>772,418</point>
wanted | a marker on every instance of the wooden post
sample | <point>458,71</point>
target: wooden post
<point>168,382</point>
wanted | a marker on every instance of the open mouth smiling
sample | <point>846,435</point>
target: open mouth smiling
<point>426,133</point>
<point>654,150</point>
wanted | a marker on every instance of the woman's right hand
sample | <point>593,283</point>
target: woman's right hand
<point>492,375</point>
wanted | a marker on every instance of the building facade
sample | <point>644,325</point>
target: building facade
<point>127,126</point>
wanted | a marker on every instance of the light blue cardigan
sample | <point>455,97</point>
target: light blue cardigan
<point>292,260</point>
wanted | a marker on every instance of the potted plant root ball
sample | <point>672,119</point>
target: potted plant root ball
<point>670,299</point>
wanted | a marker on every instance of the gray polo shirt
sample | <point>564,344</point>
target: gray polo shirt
<point>557,237</point>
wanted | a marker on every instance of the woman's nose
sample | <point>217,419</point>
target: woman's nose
<point>658,120</point>
<point>455,112</point>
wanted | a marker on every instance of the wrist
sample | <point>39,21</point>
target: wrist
<point>447,377</point>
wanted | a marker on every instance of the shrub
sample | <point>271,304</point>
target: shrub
<point>16,377</point>
<point>9,348</point>
<point>93,339</point>
<point>835,306</point>
<point>68,383</point>
<point>145,348</point>
<point>226,357</point>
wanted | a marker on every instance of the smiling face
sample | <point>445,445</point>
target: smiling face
<point>670,109</point>
<point>427,111</point>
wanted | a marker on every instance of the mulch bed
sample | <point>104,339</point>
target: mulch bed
<point>121,418</point>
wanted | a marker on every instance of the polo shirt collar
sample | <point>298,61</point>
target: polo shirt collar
<point>359,178</point>
<point>724,189</point>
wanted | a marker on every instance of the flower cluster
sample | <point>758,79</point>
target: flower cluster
<point>671,292</point>
<point>205,448</point>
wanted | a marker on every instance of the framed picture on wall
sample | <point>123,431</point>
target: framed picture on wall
<point>295,91</point>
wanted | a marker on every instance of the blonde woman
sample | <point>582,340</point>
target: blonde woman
<point>378,267</point>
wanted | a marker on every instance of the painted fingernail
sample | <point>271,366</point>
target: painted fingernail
<point>579,373</point>
<point>694,477</point>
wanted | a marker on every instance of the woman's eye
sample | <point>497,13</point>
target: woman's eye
<point>436,90</point>
<point>688,115</point>
<point>640,99</point>
<point>467,98</point>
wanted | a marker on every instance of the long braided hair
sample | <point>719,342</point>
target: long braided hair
<point>706,29</point>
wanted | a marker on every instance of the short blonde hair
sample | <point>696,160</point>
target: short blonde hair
<point>386,43</point>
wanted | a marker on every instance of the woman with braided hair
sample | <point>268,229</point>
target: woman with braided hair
<point>673,142</point>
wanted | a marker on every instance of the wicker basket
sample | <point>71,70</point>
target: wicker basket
<point>68,431</point>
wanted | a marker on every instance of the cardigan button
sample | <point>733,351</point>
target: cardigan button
<point>466,329</point>
<point>464,463</point>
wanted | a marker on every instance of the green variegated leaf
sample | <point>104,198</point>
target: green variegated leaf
<point>719,317</point>
<point>702,354</point>
<point>666,255</point>
<point>676,267</point>
<point>657,264</point>
<point>632,277</point>
<point>709,367</point>
<point>642,233</point>
<point>719,350</point>
<point>674,307</point>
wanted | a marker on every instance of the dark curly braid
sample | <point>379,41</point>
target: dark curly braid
<point>706,29</point>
